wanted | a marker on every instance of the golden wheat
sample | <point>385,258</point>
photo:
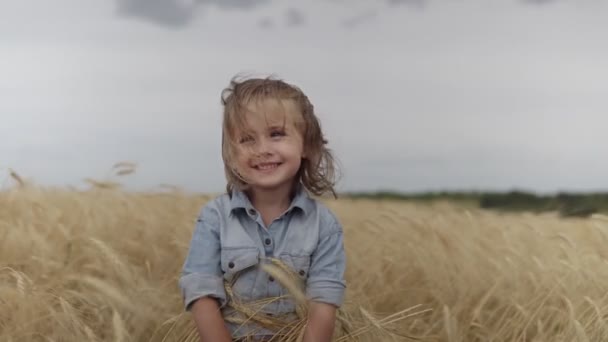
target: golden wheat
<point>102,265</point>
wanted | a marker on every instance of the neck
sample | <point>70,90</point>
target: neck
<point>274,200</point>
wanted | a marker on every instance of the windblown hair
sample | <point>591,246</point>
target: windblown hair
<point>317,171</point>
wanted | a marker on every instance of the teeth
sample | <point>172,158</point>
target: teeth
<point>267,166</point>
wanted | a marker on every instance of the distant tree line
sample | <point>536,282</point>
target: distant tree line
<point>567,204</point>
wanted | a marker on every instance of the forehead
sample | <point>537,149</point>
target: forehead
<point>260,114</point>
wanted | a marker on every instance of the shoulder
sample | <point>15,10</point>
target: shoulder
<point>328,221</point>
<point>215,209</point>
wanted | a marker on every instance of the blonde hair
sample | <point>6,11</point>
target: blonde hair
<point>317,171</point>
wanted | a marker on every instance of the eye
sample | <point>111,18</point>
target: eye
<point>276,133</point>
<point>245,139</point>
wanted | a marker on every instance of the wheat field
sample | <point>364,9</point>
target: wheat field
<point>102,265</point>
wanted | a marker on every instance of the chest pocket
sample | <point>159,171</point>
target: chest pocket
<point>237,264</point>
<point>300,264</point>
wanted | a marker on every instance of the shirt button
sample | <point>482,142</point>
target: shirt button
<point>231,265</point>
<point>252,212</point>
<point>271,278</point>
<point>302,273</point>
<point>267,241</point>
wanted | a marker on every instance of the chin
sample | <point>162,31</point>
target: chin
<point>270,185</point>
<point>267,186</point>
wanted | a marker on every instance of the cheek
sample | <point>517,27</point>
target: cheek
<point>295,146</point>
<point>243,154</point>
<point>243,162</point>
<point>293,152</point>
<point>240,162</point>
<point>301,152</point>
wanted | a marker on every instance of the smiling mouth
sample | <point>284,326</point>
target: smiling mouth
<point>266,166</point>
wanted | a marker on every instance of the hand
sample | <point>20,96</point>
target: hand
<point>321,322</point>
<point>209,321</point>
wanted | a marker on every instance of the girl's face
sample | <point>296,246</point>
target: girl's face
<point>270,147</point>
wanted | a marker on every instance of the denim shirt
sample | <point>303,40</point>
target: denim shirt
<point>230,238</point>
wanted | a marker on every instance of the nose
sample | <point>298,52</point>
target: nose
<point>262,147</point>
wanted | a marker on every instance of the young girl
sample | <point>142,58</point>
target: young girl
<point>274,155</point>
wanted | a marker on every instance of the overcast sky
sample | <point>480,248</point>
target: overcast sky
<point>413,95</point>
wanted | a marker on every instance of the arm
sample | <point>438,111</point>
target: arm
<point>209,321</point>
<point>202,282</point>
<point>325,285</point>
<point>321,322</point>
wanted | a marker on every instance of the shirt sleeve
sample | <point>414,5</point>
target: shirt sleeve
<point>202,274</point>
<point>326,282</point>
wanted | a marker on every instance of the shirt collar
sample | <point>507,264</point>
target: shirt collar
<point>301,200</point>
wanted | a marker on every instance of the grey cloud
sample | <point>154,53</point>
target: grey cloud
<point>177,13</point>
<point>266,23</point>
<point>295,17</point>
<point>164,12</point>
<point>412,3</point>
<point>238,4</point>
<point>360,18</point>
<point>538,2</point>
<point>369,15</point>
